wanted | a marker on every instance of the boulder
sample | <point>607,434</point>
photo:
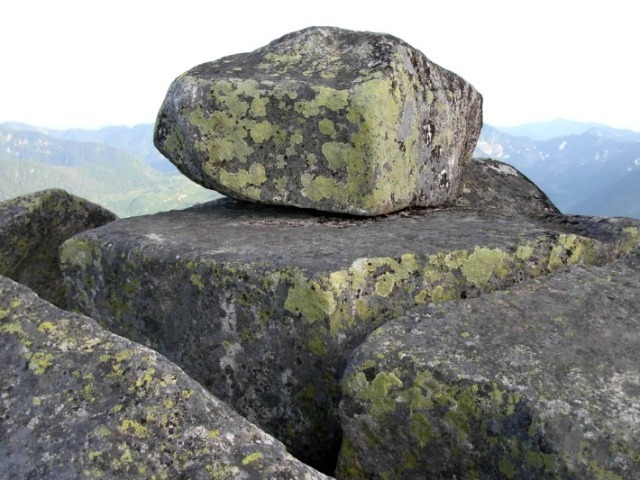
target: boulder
<point>323,118</point>
<point>32,228</point>
<point>264,305</point>
<point>80,402</point>
<point>541,381</point>
<point>498,187</point>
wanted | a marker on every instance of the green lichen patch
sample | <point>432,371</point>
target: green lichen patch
<point>496,387</point>
<point>113,406</point>
<point>257,304</point>
<point>32,228</point>
<point>403,140</point>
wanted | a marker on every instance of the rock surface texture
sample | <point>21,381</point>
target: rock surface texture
<point>263,305</point>
<point>499,188</point>
<point>323,118</point>
<point>79,402</point>
<point>32,228</point>
<point>538,382</point>
<point>370,296</point>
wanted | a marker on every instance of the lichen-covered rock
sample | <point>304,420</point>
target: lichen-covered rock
<point>621,234</point>
<point>494,186</point>
<point>264,305</point>
<point>538,382</point>
<point>32,228</point>
<point>323,118</point>
<point>79,402</point>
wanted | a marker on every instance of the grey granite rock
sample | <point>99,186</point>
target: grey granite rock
<point>538,382</point>
<point>32,228</point>
<point>494,186</point>
<point>79,402</point>
<point>264,305</point>
<point>323,118</point>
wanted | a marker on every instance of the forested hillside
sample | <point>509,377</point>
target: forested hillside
<point>123,176</point>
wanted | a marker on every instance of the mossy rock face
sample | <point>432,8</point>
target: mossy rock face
<point>323,118</point>
<point>80,402</point>
<point>32,228</point>
<point>264,305</point>
<point>537,382</point>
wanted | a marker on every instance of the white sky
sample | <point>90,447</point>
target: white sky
<point>93,63</point>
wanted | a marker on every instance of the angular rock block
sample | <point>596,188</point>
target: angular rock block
<point>323,118</point>
<point>79,402</point>
<point>264,305</point>
<point>538,382</point>
<point>32,228</point>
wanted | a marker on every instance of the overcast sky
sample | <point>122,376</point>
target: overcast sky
<point>94,63</point>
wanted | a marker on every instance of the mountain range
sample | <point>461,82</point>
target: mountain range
<point>117,167</point>
<point>585,168</point>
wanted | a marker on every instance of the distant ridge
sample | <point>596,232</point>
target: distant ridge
<point>551,129</point>
<point>591,173</point>
<point>116,167</point>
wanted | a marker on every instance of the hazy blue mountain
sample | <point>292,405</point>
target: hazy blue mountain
<point>575,171</point>
<point>615,134</point>
<point>116,179</point>
<point>136,141</point>
<point>593,172</point>
<point>550,129</point>
<point>611,200</point>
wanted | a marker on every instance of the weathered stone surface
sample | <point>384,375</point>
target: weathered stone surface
<point>79,402</point>
<point>264,305</point>
<point>494,186</point>
<point>323,118</point>
<point>621,234</point>
<point>32,228</point>
<point>539,382</point>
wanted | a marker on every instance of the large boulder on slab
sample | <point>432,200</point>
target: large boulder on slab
<point>323,118</point>
<point>80,402</point>
<point>32,228</point>
<point>538,382</point>
<point>264,305</point>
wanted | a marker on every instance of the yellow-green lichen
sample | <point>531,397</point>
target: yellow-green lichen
<point>261,131</point>
<point>327,127</point>
<point>316,344</point>
<point>310,300</point>
<point>506,468</point>
<point>39,362</point>
<point>377,392</point>
<point>483,263</point>
<point>524,252</point>
<point>80,253</point>
<point>133,427</point>
<point>245,181</point>
<point>251,458</point>
<point>196,281</point>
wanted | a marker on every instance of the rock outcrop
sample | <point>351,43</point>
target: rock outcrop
<point>497,187</point>
<point>80,402</point>
<point>32,228</point>
<point>264,305</point>
<point>323,118</point>
<point>541,381</point>
<point>472,331</point>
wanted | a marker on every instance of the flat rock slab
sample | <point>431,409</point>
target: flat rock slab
<point>541,381</point>
<point>323,118</point>
<point>79,402</point>
<point>263,305</point>
<point>32,228</point>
